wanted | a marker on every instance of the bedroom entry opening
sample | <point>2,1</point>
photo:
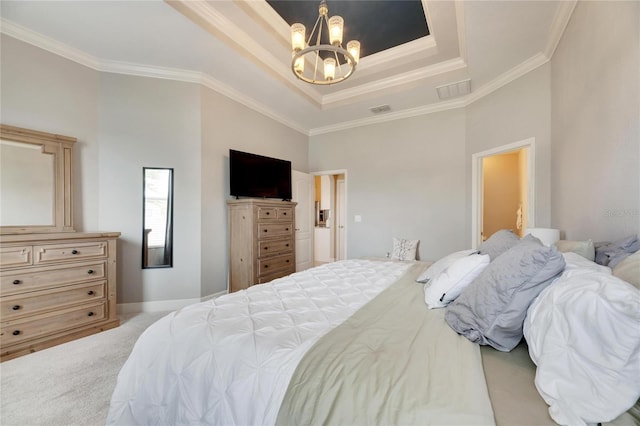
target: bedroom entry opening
<point>503,190</point>
<point>330,230</point>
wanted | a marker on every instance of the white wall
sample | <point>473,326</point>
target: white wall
<point>595,92</point>
<point>229,125</point>
<point>148,122</point>
<point>515,112</point>
<point>406,178</point>
<point>42,91</point>
<point>124,123</point>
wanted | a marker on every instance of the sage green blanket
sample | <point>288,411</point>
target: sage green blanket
<point>394,362</point>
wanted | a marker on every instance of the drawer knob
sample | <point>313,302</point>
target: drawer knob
<point>265,230</point>
<point>74,251</point>
<point>284,213</point>
<point>16,282</point>
<point>286,229</point>
<point>16,332</point>
<point>268,213</point>
<point>287,244</point>
<point>90,271</point>
<point>266,266</point>
<point>266,248</point>
<point>287,260</point>
<point>91,293</point>
<point>90,314</point>
<point>15,307</point>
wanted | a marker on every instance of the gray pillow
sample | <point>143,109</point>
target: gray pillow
<point>498,243</point>
<point>492,309</point>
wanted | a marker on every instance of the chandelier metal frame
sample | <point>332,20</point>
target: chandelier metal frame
<point>311,53</point>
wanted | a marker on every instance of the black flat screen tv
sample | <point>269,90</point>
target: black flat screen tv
<point>256,176</point>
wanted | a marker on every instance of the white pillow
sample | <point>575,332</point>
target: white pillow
<point>445,287</point>
<point>583,335</point>
<point>442,264</point>
<point>404,249</point>
<point>585,249</point>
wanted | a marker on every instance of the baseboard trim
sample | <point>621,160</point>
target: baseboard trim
<point>163,305</point>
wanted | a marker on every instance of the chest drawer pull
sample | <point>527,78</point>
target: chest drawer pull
<point>74,251</point>
<point>90,271</point>
<point>16,307</point>
<point>90,314</point>
<point>16,332</point>
<point>91,292</point>
<point>16,282</point>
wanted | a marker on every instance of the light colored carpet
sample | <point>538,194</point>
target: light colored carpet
<point>69,384</point>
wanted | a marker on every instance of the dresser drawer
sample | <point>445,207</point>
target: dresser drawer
<point>16,331</point>
<point>267,213</point>
<point>285,213</point>
<point>52,277</point>
<point>21,305</point>
<point>270,277</point>
<point>272,230</point>
<point>275,263</point>
<point>269,248</point>
<point>69,251</point>
<point>15,256</point>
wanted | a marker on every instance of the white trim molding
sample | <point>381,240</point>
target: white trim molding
<point>476,184</point>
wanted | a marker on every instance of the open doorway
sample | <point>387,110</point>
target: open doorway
<point>502,197</point>
<point>330,212</point>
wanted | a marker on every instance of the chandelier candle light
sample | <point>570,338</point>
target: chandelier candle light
<point>303,51</point>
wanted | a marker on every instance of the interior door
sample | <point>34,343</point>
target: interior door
<point>341,216</point>
<point>303,192</point>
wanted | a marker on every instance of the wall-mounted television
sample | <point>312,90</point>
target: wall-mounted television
<point>256,176</point>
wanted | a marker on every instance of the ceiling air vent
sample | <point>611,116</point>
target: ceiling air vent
<point>380,109</point>
<point>453,90</point>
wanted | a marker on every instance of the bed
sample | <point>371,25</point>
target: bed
<point>349,342</point>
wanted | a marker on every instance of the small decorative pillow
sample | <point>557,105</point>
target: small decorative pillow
<point>442,264</point>
<point>448,284</point>
<point>585,249</point>
<point>404,249</point>
<point>498,243</point>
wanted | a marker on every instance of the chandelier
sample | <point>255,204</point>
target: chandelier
<point>337,62</point>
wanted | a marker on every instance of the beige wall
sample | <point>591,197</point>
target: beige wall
<point>501,192</point>
<point>518,111</point>
<point>124,123</point>
<point>406,178</point>
<point>595,87</point>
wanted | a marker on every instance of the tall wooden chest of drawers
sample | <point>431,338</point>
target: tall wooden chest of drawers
<point>55,288</point>
<point>261,241</point>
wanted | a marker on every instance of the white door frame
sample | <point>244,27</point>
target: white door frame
<point>476,184</point>
<point>346,183</point>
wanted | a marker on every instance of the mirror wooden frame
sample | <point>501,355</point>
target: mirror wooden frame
<point>61,148</point>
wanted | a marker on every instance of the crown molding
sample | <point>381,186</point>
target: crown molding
<point>392,116</point>
<point>560,22</point>
<point>503,79</point>
<point>461,24</point>
<point>249,102</point>
<point>395,80</point>
<point>36,39</point>
<point>139,70</point>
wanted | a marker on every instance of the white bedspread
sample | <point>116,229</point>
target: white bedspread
<point>229,361</point>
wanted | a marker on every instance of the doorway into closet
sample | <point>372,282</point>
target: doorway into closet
<point>502,198</point>
<point>330,217</point>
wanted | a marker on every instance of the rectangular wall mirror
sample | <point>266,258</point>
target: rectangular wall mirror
<point>157,216</point>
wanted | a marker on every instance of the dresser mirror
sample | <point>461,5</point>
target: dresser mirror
<point>157,216</point>
<point>35,181</point>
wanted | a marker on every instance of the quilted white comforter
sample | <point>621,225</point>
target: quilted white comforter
<point>229,361</point>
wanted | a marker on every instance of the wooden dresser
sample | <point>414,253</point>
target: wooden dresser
<point>261,241</point>
<point>55,288</point>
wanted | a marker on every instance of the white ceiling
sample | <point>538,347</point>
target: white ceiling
<point>241,49</point>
